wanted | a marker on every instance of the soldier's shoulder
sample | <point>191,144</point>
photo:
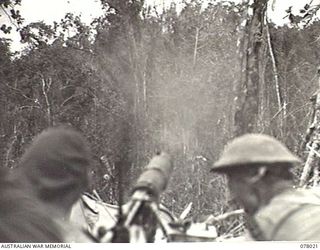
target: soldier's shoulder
<point>281,218</point>
<point>270,216</point>
<point>281,204</point>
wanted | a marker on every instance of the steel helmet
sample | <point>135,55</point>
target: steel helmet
<point>253,149</point>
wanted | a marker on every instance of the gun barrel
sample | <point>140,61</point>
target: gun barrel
<point>156,174</point>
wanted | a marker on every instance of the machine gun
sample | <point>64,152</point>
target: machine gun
<point>139,222</point>
<point>143,216</point>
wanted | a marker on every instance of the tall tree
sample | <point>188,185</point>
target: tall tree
<point>247,102</point>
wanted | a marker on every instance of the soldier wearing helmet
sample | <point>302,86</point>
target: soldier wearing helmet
<point>258,168</point>
<point>54,170</point>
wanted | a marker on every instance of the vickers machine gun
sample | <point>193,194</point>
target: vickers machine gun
<point>143,218</point>
<point>139,222</point>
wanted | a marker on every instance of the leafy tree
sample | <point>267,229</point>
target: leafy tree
<point>8,9</point>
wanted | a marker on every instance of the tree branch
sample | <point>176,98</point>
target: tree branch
<point>44,92</point>
<point>10,18</point>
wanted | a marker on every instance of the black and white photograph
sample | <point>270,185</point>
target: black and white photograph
<point>159,121</point>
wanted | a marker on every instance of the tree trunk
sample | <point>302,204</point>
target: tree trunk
<point>196,47</point>
<point>313,145</point>
<point>281,104</point>
<point>247,102</point>
<point>45,87</point>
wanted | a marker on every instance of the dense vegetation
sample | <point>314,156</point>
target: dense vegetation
<point>136,81</point>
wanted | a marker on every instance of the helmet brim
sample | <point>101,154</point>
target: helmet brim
<point>221,168</point>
